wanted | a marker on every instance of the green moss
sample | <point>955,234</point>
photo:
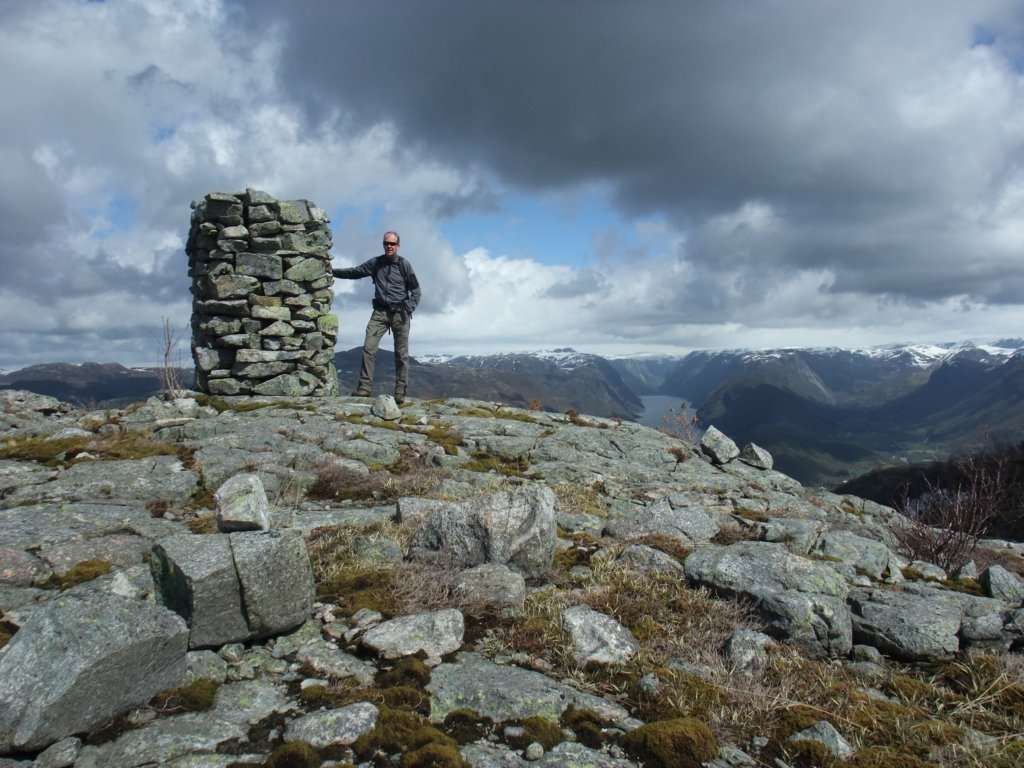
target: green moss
<point>41,450</point>
<point>793,720</point>
<point>80,573</point>
<point>485,462</point>
<point>62,452</point>
<point>570,557</point>
<point>405,697</point>
<point>392,734</point>
<point>587,724</point>
<point>366,589</point>
<point>316,696</point>
<point>435,752</point>
<point>197,696</point>
<point>538,729</point>
<point>294,754</point>
<point>349,418</point>
<point>429,734</point>
<point>445,436</point>
<point>680,743</point>
<point>810,754</point>
<point>346,692</point>
<point>466,726</point>
<point>408,671</point>
<point>965,585</point>
<point>516,416</point>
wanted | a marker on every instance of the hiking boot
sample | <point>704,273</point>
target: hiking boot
<point>360,393</point>
<point>399,398</point>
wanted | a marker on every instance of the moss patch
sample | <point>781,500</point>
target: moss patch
<point>466,726</point>
<point>537,729</point>
<point>392,734</point>
<point>198,696</point>
<point>485,462</point>
<point>64,451</point>
<point>681,743</point>
<point>80,573</point>
<point>294,754</point>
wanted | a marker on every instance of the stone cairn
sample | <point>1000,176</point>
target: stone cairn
<point>262,293</point>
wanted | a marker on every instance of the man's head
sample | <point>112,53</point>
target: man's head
<point>391,244</point>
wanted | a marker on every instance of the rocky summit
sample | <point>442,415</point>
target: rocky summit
<point>247,581</point>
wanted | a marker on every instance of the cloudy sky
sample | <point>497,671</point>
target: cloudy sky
<point>617,177</point>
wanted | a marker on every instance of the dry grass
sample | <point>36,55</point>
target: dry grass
<point>924,721</point>
<point>411,475</point>
<point>67,451</point>
<point>580,498</point>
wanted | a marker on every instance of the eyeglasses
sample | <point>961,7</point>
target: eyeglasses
<point>387,243</point>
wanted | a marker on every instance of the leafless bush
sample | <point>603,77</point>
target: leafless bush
<point>943,523</point>
<point>170,363</point>
<point>682,425</point>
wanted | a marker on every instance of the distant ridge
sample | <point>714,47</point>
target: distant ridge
<point>827,414</point>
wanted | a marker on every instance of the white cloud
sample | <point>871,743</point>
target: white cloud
<point>789,171</point>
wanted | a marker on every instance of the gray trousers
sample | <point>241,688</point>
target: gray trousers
<point>380,322</point>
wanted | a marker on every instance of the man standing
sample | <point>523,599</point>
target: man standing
<point>396,292</point>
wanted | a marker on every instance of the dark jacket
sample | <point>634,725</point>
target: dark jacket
<point>395,286</point>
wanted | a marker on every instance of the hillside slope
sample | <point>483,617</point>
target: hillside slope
<point>578,590</point>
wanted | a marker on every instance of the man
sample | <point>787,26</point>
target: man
<point>396,292</point>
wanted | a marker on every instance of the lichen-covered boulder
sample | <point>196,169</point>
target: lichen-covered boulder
<point>515,528</point>
<point>906,626</point>
<point>801,599</point>
<point>80,661</point>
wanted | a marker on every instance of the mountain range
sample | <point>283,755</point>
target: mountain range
<point>825,414</point>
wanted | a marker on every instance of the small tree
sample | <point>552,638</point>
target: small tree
<point>949,514</point>
<point>170,362</point>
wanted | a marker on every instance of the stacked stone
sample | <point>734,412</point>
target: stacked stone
<point>262,293</point>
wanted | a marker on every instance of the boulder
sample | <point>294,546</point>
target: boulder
<point>333,727</point>
<point>905,626</point>
<point>276,578</point>
<point>756,456</point>
<point>687,522</point>
<point>1002,585</point>
<point>515,528</point>
<point>242,504</point>
<point>491,584</point>
<point>506,692</point>
<point>435,634</point>
<point>196,578</point>
<point>598,638</point>
<point>801,600</point>
<point>80,661</point>
<point>719,448</point>
<point>235,587</point>
<point>865,556</point>
<point>641,557</point>
<point>385,407</point>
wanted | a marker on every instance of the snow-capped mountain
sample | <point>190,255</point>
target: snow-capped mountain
<point>824,413</point>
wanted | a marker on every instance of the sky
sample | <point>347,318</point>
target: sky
<point>623,178</point>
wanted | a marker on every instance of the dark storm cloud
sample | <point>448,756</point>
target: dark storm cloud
<point>841,117</point>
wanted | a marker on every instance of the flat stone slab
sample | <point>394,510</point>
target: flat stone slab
<point>506,692</point>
